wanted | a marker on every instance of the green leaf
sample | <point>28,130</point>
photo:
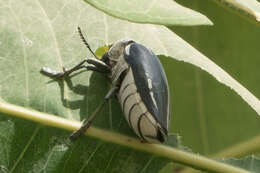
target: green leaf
<point>249,9</point>
<point>58,48</point>
<point>164,12</point>
<point>250,163</point>
<point>217,120</point>
<point>26,147</point>
<point>178,156</point>
<point>43,33</point>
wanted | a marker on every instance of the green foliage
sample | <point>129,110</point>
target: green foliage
<point>249,9</point>
<point>165,12</point>
<point>209,116</point>
<point>250,163</point>
<point>27,147</point>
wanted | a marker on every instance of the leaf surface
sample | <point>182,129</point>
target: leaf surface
<point>249,9</point>
<point>163,12</point>
<point>43,33</point>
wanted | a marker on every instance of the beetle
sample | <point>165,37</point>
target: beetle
<point>139,82</point>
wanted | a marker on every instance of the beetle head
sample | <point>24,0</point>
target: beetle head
<point>115,52</point>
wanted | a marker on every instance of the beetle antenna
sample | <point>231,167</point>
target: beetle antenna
<point>85,42</point>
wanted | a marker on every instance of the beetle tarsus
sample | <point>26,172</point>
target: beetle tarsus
<point>54,74</point>
<point>143,141</point>
<point>51,73</point>
<point>75,135</point>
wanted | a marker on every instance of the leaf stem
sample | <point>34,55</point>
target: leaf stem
<point>240,149</point>
<point>237,150</point>
<point>179,156</point>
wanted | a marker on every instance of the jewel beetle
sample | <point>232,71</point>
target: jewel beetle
<point>139,83</point>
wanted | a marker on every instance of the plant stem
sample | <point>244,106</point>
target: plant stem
<point>179,156</point>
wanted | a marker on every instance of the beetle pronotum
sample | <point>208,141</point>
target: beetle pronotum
<point>139,82</point>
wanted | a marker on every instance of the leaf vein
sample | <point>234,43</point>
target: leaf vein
<point>90,157</point>
<point>58,53</point>
<point>25,149</point>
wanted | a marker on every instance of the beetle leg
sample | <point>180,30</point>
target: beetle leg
<point>51,73</point>
<point>96,65</point>
<point>94,68</point>
<point>99,64</point>
<point>86,123</point>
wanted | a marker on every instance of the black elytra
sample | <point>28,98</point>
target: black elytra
<point>146,67</point>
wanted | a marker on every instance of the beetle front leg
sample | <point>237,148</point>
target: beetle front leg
<point>98,66</point>
<point>54,74</point>
<point>86,124</point>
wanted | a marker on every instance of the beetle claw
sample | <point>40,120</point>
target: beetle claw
<point>64,70</point>
<point>52,73</point>
<point>143,141</point>
<point>75,135</point>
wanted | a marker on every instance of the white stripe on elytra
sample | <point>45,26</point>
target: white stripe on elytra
<point>150,86</point>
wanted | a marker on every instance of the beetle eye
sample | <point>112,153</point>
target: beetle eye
<point>105,58</point>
